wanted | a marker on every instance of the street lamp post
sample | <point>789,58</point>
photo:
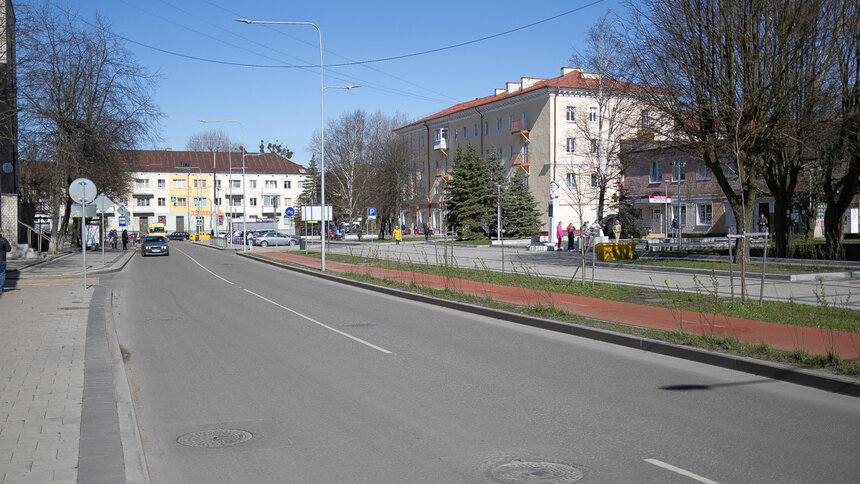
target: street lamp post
<point>188,170</point>
<point>322,124</point>
<point>679,164</point>
<point>244,197</point>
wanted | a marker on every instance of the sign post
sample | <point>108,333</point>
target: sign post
<point>83,191</point>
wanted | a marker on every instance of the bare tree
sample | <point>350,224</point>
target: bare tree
<point>211,140</point>
<point>601,131</point>
<point>715,67</point>
<point>83,101</point>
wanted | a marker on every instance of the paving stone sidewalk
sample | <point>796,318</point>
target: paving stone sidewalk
<point>43,326</point>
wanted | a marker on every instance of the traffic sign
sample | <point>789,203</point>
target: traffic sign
<point>122,221</point>
<point>371,212</point>
<point>83,190</point>
<point>290,211</point>
<point>103,203</point>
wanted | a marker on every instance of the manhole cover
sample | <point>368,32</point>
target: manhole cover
<point>520,472</point>
<point>211,439</point>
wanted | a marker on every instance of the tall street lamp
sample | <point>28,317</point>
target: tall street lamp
<point>679,166</point>
<point>244,208</point>
<point>188,170</point>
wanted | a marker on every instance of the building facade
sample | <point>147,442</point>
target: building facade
<point>203,192</point>
<point>562,133</point>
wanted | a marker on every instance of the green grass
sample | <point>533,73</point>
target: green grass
<point>780,269</point>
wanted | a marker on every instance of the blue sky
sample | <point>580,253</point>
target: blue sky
<point>282,103</point>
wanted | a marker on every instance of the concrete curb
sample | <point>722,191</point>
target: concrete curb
<point>776,371</point>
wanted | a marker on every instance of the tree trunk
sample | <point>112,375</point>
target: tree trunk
<point>779,233</point>
<point>833,232</point>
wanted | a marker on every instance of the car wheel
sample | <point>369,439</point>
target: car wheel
<point>143,254</point>
<point>167,254</point>
<point>264,244</point>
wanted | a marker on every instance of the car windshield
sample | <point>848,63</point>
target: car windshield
<point>154,238</point>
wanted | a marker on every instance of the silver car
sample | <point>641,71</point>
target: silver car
<point>274,238</point>
<point>154,245</point>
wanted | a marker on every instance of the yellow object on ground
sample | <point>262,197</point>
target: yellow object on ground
<point>615,250</point>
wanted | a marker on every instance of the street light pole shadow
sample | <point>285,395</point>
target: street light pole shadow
<point>679,388</point>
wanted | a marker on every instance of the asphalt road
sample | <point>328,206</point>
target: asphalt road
<point>339,384</point>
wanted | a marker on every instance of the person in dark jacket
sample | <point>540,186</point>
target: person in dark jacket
<point>124,239</point>
<point>4,247</point>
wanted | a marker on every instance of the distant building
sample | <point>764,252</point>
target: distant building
<point>197,191</point>
<point>546,128</point>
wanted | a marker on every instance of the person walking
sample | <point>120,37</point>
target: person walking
<point>762,222</point>
<point>397,235</point>
<point>426,230</point>
<point>4,247</point>
<point>124,239</point>
<point>559,233</point>
<point>570,237</point>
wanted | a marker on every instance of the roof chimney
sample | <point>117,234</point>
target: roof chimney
<point>500,90</point>
<point>528,82</point>
<point>567,70</point>
<point>512,87</point>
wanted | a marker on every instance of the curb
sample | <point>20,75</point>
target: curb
<point>775,371</point>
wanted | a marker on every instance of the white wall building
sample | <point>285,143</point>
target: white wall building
<point>196,192</point>
<point>551,129</point>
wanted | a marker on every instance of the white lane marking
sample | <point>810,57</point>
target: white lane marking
<point>205,269</point>
<point>678,470</point>
<point>359,340</point>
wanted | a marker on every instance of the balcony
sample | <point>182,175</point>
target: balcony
<point>440,139</point>
<point>521,160</point>
<point>442,173</point>
<point>521,127</point>
<point>144,191</point>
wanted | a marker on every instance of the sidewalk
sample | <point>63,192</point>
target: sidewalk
<point>47,346</point>
<point>783,337</point>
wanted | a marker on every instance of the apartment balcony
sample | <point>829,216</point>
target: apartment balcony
<point>521,160</point>
<point>271,191</point>
<point>440,139</point>
<point>144,191</point>
<point>520,127</point>
<point>442,173</point>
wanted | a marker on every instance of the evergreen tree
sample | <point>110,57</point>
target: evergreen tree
<point>520,216</point>
<point>311,193</point>
<point>468,195</point>
<point>623,204</point>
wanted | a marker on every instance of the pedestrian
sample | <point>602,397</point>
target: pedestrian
<point>597,229</point>
<point>570,237</point>
<point>426,230</point>
<point>124,239</point>
<point>4,247</point>
<point>397,235</point>
<point>762,222</point>
<point>583,234</point>
<point>559,232</point>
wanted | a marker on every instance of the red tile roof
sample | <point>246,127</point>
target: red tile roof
<point>168,161</point>
<point>572,80</point>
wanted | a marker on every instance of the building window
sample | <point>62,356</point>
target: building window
<point>288,202</point>
<point>141,183</point>
<point>486,127</point>
<point>218,184</point>
<point>218,201</point>
<point>730,168</point>
<point>421,142</point>
<point>236,183</point>
<point>511,121</point>
<point>592,114</point>
<point>646,122</point>
<point>456,135</point>
<point>162,202</point>
<point>181,202</point>
<point>465,132</point>
<point>656,172</point>
<point>199,183</point>
<point>499,157</point>
<point>595,147</point>
<point>179,183</point>
<point>571,145</point>
<point>570,179</point>
<point>252,183</point>
<point>476,130</point>
<point>677,173</point>
<point>287,184</point>
<point>571,114</point>
<point>705,214</point>
<point>594,179</point>
<point>142,201</point>
<point>271,184</point>
<point>252,202</point>
<point>162,183</point>
<point>236,202</point>
<point>703,173</point>
<point>498,124</point>
<point>199,202</point>
<point>270,200</point>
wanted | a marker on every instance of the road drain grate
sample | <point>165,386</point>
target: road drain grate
<point>215,438</point>
<point>522,472</point>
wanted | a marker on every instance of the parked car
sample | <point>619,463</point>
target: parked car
<point>266,239</point>
<point>154,245</point>
<point>178,236</point>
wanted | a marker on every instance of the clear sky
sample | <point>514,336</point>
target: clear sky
<point>282,103</point>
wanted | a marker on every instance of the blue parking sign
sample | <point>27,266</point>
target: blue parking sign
<point>371,212</point>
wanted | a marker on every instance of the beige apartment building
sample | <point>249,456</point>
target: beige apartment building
<point>562,133</point>
<point>199,192</point>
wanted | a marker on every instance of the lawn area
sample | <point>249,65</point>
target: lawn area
<point>703,299</point>
<point>777,269</point>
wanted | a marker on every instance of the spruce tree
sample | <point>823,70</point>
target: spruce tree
<point>468,195</point>
<point>520,216</point>
<point>311,193</point>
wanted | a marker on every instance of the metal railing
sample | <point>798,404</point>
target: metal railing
<point>32,232</point>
